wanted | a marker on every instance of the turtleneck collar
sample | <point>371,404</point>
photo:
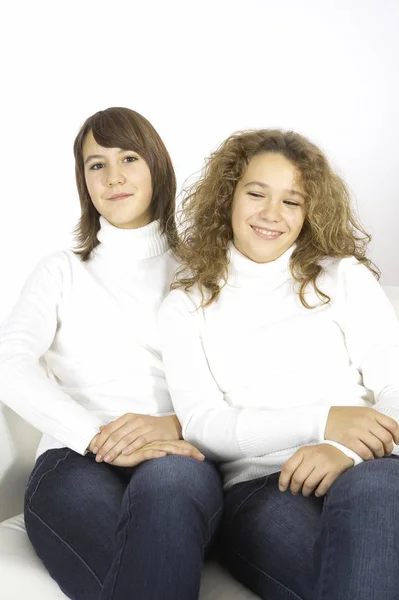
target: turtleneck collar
<point>131,244</point>
<point>242,271</point>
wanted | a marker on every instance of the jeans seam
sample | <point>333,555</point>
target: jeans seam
<point>46,473</point>
<point>121,550</point>
<point>219,510</point>
<point>64,542</point>
<point>262,485</point>
<point>325,574</point>
<point>283,587</point>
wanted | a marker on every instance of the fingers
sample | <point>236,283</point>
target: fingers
<point>116,442</point>
<point>312,482</point>
<point>107,430</point>
<point>288,469</point>
<point>307,470</point>
<point>389,424</point>
<point>374,444</point>
<point>360,448</point>
<point>143,437</point>
<point>146,436</point>
<point>140,456</point>
<point>179,447</point>
<point>325,484</point>
<point>358,427</point>
<point>385,437</point>
<point>158,449</point>
<point>299,477</point>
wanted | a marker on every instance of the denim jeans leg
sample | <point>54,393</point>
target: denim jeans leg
<point>357,550</point>
<point>268,537</point>
<point>169,517</point>
<point>72,507</point>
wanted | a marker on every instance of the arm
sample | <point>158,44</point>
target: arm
<point>219,430</point>
<point>24,338</point>
<point>372,336</point>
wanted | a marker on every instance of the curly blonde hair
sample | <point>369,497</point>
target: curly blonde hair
<point>330,228</point>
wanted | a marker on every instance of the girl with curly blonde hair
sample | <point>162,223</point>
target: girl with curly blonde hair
<point>281,353</point>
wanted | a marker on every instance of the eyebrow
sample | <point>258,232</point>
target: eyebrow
<point>93,156</point>
<point>265,186</point>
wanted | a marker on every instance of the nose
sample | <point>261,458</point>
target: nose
<point>271,212</point>
<point>115,176</point>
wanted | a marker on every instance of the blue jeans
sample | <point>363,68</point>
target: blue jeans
<point>109,533</point>
<point>341,547</point>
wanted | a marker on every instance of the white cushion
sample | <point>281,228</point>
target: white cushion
<point>23,575</point>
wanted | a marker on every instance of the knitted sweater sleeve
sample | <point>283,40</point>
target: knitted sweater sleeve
<point>25,337</point>
<point>221,431</point>
<point>371,334</point>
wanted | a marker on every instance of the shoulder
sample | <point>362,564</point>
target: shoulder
<point>350,283</point>
<point>181,302</point>
<point>347,271</point>
<point>54,269</point>
<point>63,259</point>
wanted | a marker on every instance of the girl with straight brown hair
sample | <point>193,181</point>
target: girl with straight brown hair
<point>118,505</point>
<point>281,353</point>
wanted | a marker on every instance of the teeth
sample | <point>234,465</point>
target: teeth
<point>269,234</point>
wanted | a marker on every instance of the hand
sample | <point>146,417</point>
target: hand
<point>131,432</point>
<point>313,469</point>
<point>366,431</point>
<point>158,449</point>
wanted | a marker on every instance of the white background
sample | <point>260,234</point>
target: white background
<point>198,70</point>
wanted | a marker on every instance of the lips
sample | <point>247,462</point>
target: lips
<point>266,234</point>
<point>119,196</point>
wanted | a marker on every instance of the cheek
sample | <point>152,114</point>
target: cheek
<point>92,185</point>
<point>144,181</point>
<point>240,214</point>
<point>296,223</point>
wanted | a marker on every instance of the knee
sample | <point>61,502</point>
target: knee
<point>61,479</point>
<point>182,479</point>
<point>370,481</point>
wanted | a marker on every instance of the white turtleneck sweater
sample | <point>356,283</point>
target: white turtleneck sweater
<point>81,347</point>
<point>253,376</point>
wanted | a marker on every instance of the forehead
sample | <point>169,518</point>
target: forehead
<point>273,170</point>
<point>90,146</point>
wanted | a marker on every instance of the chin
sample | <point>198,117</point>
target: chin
<point>128,222</point>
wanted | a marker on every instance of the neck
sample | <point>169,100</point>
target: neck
<point>130,244</point>
<point>244,271</point>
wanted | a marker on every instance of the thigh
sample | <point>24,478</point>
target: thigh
<point>268,538</point>
<point>72,508</point>
<point>359,535</point>
<point>170,514</point>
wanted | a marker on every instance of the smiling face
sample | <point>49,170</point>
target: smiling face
<point>268,209</point>
<point>119,184</point>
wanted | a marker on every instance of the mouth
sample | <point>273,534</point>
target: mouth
<point>119,197</point>
<point>266,234</point>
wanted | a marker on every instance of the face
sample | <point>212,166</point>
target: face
<point>268,209</point>
<point>119,184</point>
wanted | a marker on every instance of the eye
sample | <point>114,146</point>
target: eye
<point>130,159</point>
<point>254,195</point>
<point>291,203</point>
<point>96,166</point>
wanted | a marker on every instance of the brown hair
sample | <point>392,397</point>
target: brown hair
<point>126,129</point>
<point>330,228</point>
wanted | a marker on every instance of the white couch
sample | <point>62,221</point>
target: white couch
<point>22,575</point>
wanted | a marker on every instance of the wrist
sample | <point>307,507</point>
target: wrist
<point>347,451</point>
<point>175,427</point>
